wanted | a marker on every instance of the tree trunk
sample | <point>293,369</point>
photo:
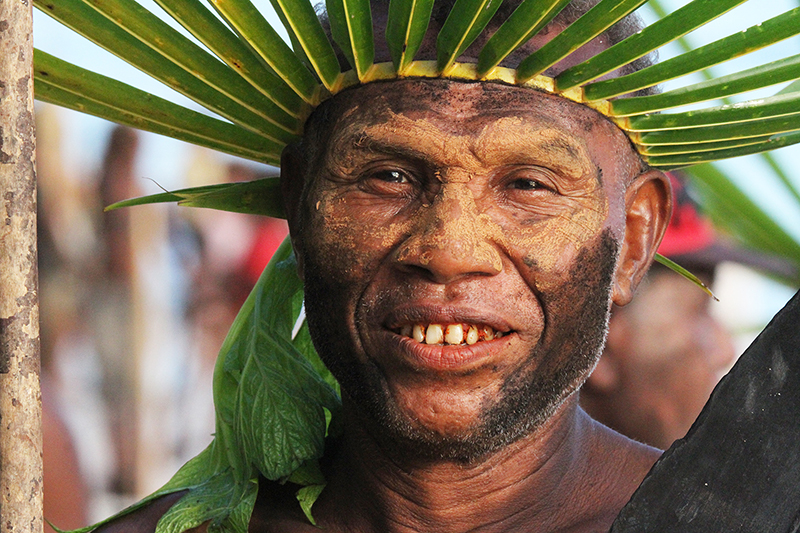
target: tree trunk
<point>20,398</point>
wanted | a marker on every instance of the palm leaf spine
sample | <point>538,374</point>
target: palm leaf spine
<point>464,23</point>
<point>769,32</point>
<point>302,24</point>
<point>770,126</point>
<point>597,20</point>
<point>218,38</point>
<point>661,32</point>
<point>405,29</point>
<point>351,27</point>
<point>256,32</point>
<point>747,80</point>
<point>679,161</point>
<point>525,22</point>
<point>106,34</point>
<point>763,108</point>
<point>158,35</point>
<point>70,86</point>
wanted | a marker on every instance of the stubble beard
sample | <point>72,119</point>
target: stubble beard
<point>566,354</point>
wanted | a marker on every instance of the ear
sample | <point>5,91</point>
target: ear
<point>648,202</point>
<point>292,183</point>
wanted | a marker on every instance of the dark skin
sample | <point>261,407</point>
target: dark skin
<point>436,202</point>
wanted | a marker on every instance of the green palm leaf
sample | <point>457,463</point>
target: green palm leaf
<point>525,22</point>
<point>61,83</point>
<point>673,149</point>
<point>306,32</point>
<point>258,197</point>
<point>405,29</point>
<point>753,110</point>
<point>597,20</point>
<point>669,28</point>
<point>747,80</point>
<point>254,29</point>
<point>679,161</point>
<point>769,32</point>
<point>351,26</point>
<point>724,132</point>
<point>464,23</point>
<point>96,27</point>
<point>212,32</point>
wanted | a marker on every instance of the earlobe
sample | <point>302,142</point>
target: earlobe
<point>648,201</point>
<point>292,182</point>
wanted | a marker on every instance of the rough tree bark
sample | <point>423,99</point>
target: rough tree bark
<point>20,397</point>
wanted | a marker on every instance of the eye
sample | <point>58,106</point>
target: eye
<point>525,184</point>
<point>391,176</point>
<point>387,182</point>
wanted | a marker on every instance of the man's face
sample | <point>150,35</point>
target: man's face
<point>476,209</point>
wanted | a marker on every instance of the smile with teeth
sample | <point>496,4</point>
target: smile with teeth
<point>449,333</point>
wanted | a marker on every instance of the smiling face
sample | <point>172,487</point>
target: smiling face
<point>459,243</point>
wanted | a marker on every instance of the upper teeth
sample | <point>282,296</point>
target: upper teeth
<point>449,333</point>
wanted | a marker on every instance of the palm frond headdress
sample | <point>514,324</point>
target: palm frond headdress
<point>262,90</point>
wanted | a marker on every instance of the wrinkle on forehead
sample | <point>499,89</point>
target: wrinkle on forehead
<point>478,143</point>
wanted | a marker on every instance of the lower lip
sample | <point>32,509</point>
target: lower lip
<point>448,357</point>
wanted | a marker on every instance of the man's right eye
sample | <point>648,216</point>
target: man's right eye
<point>391,176</point>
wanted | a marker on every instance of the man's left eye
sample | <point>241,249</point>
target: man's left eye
<point>522,184</point>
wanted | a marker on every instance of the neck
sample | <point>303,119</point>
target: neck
<point>536,484</point>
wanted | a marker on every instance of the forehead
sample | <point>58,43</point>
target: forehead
<point>395,113</point>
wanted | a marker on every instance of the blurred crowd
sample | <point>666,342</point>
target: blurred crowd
<point>135,304</point>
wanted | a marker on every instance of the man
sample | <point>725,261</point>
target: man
<point>461,244</point>
<point>666,351</point>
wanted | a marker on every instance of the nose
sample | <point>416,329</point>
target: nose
<point>452,239</point>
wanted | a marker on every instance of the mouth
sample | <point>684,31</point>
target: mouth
<point>458,334</point>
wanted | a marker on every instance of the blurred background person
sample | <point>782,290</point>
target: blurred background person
<point>667,350</point>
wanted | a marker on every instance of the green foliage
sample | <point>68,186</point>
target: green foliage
<point>274,409</point>
<point>405,29</point>
<point>465,22</point>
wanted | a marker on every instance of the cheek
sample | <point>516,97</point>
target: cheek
<point>348,242</point>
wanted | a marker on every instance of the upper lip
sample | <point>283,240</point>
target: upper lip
<point>430,313</point>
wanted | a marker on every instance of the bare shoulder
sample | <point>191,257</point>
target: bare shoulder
<point>144,520</point>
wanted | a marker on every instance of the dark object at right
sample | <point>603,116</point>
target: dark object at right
<point>738,468</point>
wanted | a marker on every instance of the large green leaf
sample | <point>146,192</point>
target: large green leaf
<point>254,29</point>
<point>300,20</point>
<point>351,26</point>
<point>465,22</point>
<point>212,32</point>
<point>96,27</point>
<point>597,20</point>
<point>747,80</point>
<point>669,28</point>
<point>769,32</point>
<point>61,83</point>
<point>405,29</point>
